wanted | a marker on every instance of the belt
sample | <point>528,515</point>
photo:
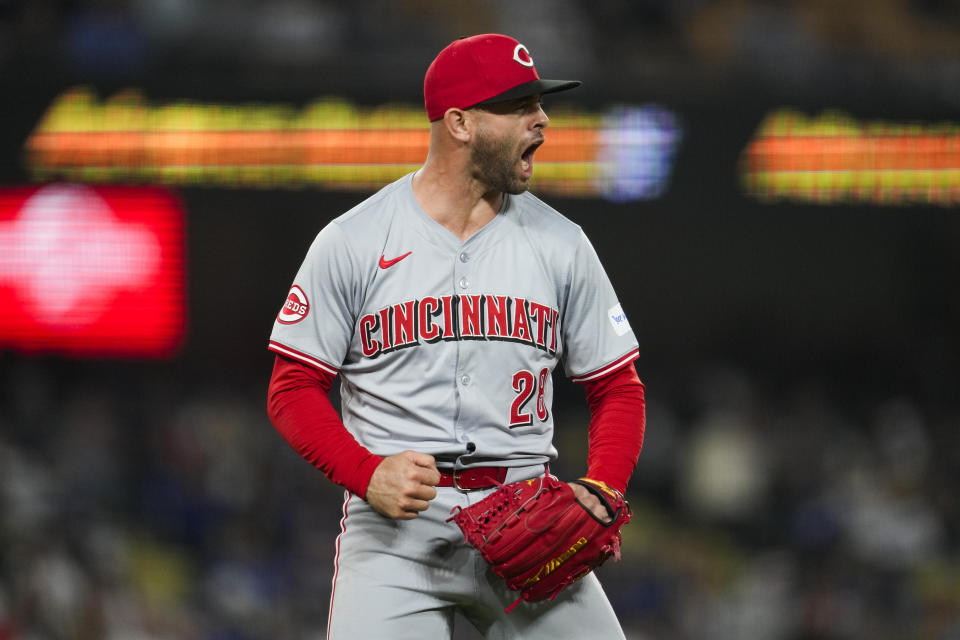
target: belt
<point>473,478</point>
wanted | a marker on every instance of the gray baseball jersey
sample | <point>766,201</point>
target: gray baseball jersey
<point>447,347</point>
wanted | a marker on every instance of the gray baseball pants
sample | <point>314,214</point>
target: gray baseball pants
<point>398,579</point>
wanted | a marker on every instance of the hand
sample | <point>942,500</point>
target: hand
<point>590,502</point>
<point>403,485</point>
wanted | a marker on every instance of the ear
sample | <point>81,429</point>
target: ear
<point>458,124</point>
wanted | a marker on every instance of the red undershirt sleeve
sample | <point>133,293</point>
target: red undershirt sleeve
<point>299,407</point>
<point>617,423</point>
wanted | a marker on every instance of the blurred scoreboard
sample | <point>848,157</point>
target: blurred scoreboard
<point>623,154</point>
<point>91,271</point>
<point>833,158</point>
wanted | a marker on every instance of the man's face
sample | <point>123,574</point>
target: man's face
<point>507,135</point>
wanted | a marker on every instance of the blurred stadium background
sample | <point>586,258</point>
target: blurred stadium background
<point>773,187</point>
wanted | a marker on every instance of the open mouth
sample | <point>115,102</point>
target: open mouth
<point>526,158</point>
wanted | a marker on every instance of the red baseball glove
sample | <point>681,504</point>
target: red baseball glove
<point>539,538</point>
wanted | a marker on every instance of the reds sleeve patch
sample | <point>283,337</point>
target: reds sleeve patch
<point>618,319</point>
<point>295,308</point>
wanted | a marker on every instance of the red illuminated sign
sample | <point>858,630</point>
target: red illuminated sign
<point>91,271</point>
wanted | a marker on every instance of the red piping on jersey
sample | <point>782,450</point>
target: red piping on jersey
<point>616,364</point>
<point>276,347</point>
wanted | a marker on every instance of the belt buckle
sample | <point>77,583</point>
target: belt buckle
<point>456,484</point>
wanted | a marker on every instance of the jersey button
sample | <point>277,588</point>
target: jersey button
<point>465,380</point>
<point>464,283</point>
<point>464,257</point>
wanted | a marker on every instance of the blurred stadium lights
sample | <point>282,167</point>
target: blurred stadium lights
<point>639,145</point>
<point>833,158</point>
<point>622,155</point>
<point>91,271</point>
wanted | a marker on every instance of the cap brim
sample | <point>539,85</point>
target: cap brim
<point>532,88</point>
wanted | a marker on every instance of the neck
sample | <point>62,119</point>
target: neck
<point>459,203</point>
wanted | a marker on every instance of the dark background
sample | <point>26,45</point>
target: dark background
<point>801,361</point>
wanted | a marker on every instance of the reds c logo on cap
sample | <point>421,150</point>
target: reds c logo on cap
<point>522,55</point>
<point>482,69</point>
<point>295,308</point>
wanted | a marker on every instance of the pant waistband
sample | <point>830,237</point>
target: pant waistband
<point>482,477</point>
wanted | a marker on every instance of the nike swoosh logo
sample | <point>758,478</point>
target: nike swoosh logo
<point>386,264</point>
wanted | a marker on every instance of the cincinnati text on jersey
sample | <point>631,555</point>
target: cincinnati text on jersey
<point>473,317</point>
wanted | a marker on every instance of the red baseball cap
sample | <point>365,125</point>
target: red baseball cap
<point>483,69</point>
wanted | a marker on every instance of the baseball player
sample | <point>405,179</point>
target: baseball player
<point>444,302</point>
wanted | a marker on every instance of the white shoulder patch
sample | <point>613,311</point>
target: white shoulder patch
<point>618,319</point>
<point>295,308</point>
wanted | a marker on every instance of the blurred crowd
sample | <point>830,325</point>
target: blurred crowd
<point>338,45</point>
<point>136,505</point>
